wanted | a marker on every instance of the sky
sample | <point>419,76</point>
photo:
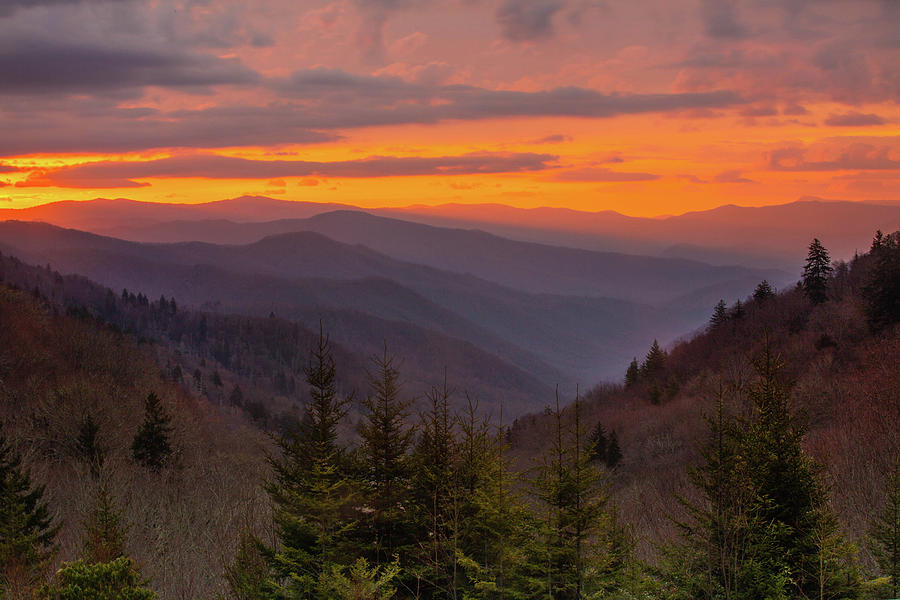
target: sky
<point>647,108</point>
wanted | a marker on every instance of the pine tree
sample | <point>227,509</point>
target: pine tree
<point>791,497</point>
<point>882,290</point>
<point>613,451</point>
<point>310,491</point>
<point>577,519</point>
<point>737,311</point>
<point>27,531</point>
<point>151,447</point>
<point>433,495</point>
<point>719,316</point>
<point>654,365</point>
<point>115,580</point>
<point>87,445</point>
<point>885,531</point>
<point>104,537</point>
<point>632,374</point>
<point>386,440</point>
<point>816,273</point>
<point>763,291</point>
<point>598,444</point>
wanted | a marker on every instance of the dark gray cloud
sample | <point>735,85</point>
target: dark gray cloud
<point>856,156</point>
<point>118,174</point>
<point>41,66</point>
<point>346,100</point>
<point>602,174</point>
<point>721,19</point>
<point>9,169</point>
<point>854,119</point>
<point>319,103</point>
<point>527,20</point>
<point>8,7</point>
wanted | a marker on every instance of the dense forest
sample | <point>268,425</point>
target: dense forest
<point>758,459</point>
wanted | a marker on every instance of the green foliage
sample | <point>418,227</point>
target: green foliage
<point>580,549</point>
<point>882,291</point>
<point>763,528</point>
<point>386,440</point>
<point>150,446</point>
<point>816,273</point>
<point>114,580</point>
<point>104,538</point>
<point>248,574</point>
<point>311,493</point>
<point>359,582</point>
<point>26,528</point>
<point>885,532</point>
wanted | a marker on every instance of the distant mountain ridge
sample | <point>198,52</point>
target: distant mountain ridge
<point>772,236</point>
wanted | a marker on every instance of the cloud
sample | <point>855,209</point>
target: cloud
<point>602,174</point>
<point>118,174</point>
<point>855,156</point>
<point>47,66</point>
<point>854,119</point>
<point>9,169</point>
<point>8,7</point>
<point>557,138</point>
<point>527,20</point>
<point>721,20</point>
<point>316,105</point>
<point>732,176</point>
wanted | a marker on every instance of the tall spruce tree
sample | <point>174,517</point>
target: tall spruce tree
<point>791,497</point>
<point>104,530</point>
<point>434,497</point>
<point>311,491</point>
<point>582,550</point>
<point>386,440</point>
<point>632,374</point>
<point>882,290</point>
<point>719,316</point>
<point>816,273</point>
<point>27,531</point>
<point>885,531</point>
<point>150,446</point>
<point>763,291</point>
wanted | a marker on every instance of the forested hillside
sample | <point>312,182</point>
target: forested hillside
<point>73,393</point>
<point>758,459</point>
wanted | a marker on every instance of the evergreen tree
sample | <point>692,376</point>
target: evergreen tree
<point>654,365</point>
<point>26,528</point>
<point>87,446</point>
<point>613,451</point>
<point>359,582</point>
<point>882,291</point>
<point>632,374</point>
<point>791,498</point>
<point>816,273</point>
<point>577,522</point>
<point>598,444</point>
<point>150,446</point>
<point>104,537</point>
<point>236,398</point>
<point>115,580</point>
<point>434,496</point>
<point>310,491</point>
<point>386,440</point>
<point>737,311</point>
<point>719,316</point>
<point>885,532</point>
<point>763,291</point>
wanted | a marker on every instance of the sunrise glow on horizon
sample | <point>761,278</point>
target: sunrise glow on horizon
<point>643,108</point>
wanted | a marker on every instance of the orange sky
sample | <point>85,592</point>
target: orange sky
<point>654,109</point>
